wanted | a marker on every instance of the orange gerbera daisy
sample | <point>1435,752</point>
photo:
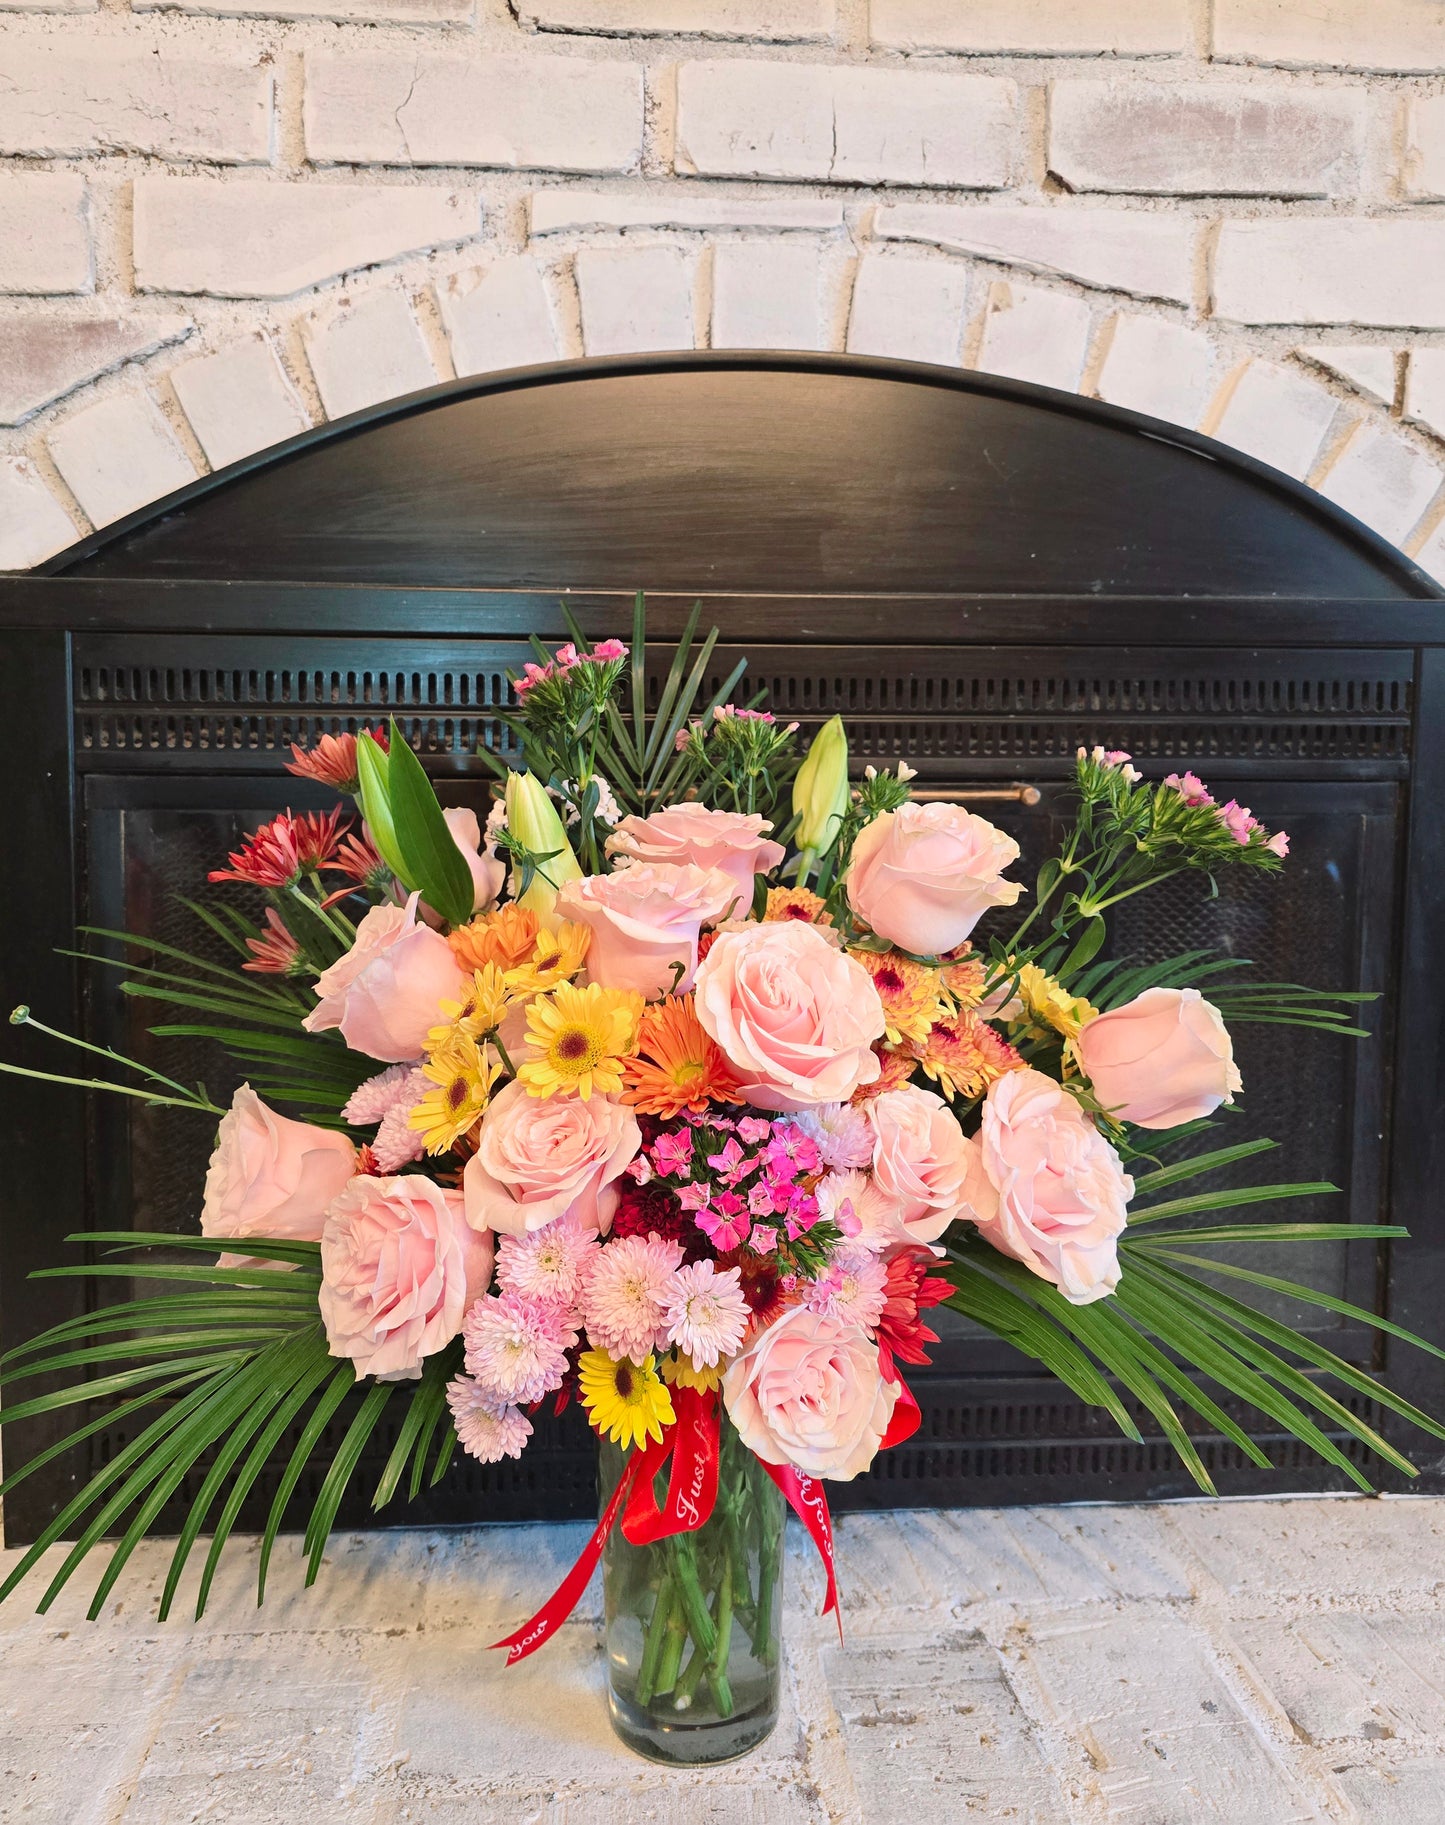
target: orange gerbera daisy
<point>506,937</point>
<point>909,992</point>
<point>796,903</point>
<point>678,1066</point>
<point>963,1056</point>
<point>898,1065</point>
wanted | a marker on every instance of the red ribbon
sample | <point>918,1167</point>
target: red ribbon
<point>692,1444</point>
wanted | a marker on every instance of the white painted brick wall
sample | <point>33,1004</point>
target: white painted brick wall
<point>1390,35</point>
<point>1382,480</point>
<point>1226,214</point>
<point>118,454</point>
<point>1166,138</point>
<point>261,239</point>
<point>44,232</point>
<point>33,524</point>
<point>1425,389</point>
<point>239,400</point>
<point>773,21</point>
<point>907,307</point>
<point>538,112</point>
<point>1140,28</point>
<point>77,96</point>
<point>366,352</point>
<point>635,299</point>
<point>739,118</point>
<point>500,318</point>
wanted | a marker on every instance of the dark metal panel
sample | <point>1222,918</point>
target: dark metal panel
<point>725,471</point>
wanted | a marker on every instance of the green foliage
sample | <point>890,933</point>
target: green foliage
<point>408,828</point>
<point>228,1366</point>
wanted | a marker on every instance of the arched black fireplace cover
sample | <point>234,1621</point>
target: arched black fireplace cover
<point>980,574</point>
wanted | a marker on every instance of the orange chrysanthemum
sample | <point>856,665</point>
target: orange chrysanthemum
<point>796,903</point>
<point>964,977</point>
<point>965,1055</point>
<point>506,937</point>
<point>898,1065</point>
<point>909,992</point>
<point>678,1066</point>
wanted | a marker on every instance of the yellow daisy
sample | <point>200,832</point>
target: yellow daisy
<point>1047,1004</point>
<point>625,1401</point>
<point>463,1073</point>
<point>480,1010</point>
<point>556,957</point>
<point>678,1372</point>
<point>579,1039</point>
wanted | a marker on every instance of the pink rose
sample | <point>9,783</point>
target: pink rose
<point>488,874</point>
<point>795,1018</point>
<point>730,840</point>
<point>399,1266</point>
<point>645,920</point>
<point>1163,1058</point>
<point>385,992</point>
<point>271,1177</point>
<point>920,1161</point>
<point>544,1158</point>
<point>1047,1188</point>
<point>808,1391</point>
<point>924,875</point>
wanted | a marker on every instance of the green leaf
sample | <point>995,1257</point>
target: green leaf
<point>364,1423</point>
<point>373,768</point>
<point>336,1391</point>
<point>1199,1164</point>
<point>1226,1200</point>
<point>1271,1232</point>
<point>433,862</point>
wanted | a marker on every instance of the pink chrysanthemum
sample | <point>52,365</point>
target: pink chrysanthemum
<point>547,1263</point>
<point>863,1213</point>
<point>705,1312</point>
<point>489,1431</point>
<point>396,1143</point>
<point>626,1290</point>
<point>517,1348</point>
<point>853,1287</point>
<point>843,1132</point>
<point>397,1087</point>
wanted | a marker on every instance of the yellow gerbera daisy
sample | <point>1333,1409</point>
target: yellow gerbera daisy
<point>909,991</point>
<point>625,1401</point>
<point>579,1039</point>
<point>463,1073</point>
<point>678,1372</point>
<point>480,1010</point>
<point>556,957</point>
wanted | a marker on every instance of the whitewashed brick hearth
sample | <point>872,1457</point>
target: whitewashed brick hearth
<point>226,220</point>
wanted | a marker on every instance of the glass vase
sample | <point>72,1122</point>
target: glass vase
<point>693,1651</point>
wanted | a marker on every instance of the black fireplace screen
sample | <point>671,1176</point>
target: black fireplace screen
<point>155,688</point>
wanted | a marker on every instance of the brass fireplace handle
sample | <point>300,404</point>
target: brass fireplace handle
<point>963,795</point>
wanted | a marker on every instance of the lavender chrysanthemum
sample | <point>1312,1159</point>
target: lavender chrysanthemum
<point>853,1287</point>
<point>705,1312</point>
<point>843,1133</point>
<point>626,1289</point>
<point>517,1348</point>
<point>489,1431</point>
<point>397,1143</point>
<point>547,1263</point>
<point>397,1087</point>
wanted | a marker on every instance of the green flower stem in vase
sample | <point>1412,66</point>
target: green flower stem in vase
<point>693,1620</point>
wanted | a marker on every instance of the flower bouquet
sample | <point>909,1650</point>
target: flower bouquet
<point>682,1086</point>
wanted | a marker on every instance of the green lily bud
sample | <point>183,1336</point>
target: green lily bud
<point>820,789</point>
<point>533,821</point>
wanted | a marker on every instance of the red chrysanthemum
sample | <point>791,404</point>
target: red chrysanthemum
<point>279,853</point>
<point>275,952</point>
<point>909,1289</point>
<point>653,1210</point>
<point>332,761</point>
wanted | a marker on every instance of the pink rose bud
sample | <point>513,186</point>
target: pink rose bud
<point>645,922</point>
<point>733,841</point>
<point>1047,1188</point>
<point>1161,1059</point>
<point>808,1391</point>
<point>400,1264</point>
<point>270,1176</point>
<point>541,1158</point>
<point>924,875</point>
<point>386,992</point>
<point>795,1018</point>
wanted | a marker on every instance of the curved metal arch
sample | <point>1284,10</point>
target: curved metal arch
<point>196,531</point>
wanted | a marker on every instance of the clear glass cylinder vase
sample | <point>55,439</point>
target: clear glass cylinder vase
<point>693,1650</point>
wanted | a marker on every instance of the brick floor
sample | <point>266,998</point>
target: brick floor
<point>1256,1662</point>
